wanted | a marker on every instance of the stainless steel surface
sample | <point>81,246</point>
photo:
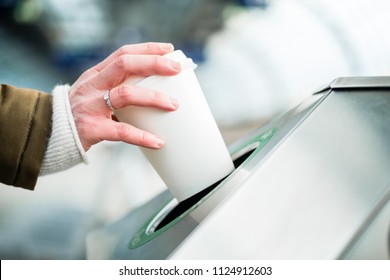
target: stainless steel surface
<point>315,193</point>
<point>374,243</point>
<point>318,189</point>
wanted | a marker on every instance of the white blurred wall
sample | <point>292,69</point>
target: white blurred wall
<point>267,60</point>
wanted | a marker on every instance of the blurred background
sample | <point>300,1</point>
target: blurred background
<point>256,59</point>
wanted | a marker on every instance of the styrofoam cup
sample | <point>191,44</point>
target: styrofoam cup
<point>194,155</point>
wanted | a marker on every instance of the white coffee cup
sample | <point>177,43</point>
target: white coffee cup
<point>194,155</point>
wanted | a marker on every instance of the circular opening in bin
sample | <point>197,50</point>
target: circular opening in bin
<point>172,212</point>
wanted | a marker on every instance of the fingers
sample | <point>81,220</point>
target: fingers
<point>127,95</point>
<point>117,131</point>
<point>138,65</point>
<point>136,49</point>
<point>157,49</point>
<point>93,117</point>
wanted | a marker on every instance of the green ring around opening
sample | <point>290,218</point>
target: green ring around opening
<point>142,236</point>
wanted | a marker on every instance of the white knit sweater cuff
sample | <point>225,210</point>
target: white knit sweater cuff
<point>64,148</point>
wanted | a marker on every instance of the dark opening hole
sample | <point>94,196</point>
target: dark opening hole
<point>191,201</point>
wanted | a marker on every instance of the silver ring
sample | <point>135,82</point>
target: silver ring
<point>106,98</point>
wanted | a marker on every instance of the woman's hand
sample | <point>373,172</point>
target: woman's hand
<point>92,116</point>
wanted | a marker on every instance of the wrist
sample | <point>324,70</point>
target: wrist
<point>64,148</point>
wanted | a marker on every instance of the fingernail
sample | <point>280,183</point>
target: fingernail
<point>174,65</point>
<point>158,143</point>
<point>166,46</point>
<point>174,102</point>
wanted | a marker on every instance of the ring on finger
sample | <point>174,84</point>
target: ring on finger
<point>106,98</point>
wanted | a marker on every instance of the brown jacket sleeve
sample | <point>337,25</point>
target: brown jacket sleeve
<point>25,124</point>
